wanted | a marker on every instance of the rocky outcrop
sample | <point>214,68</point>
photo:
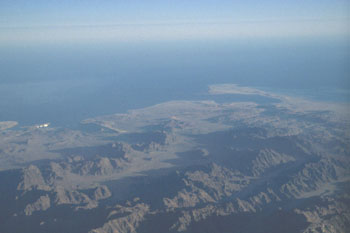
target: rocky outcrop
<point>102,192</point>
<point>199,214</point>
<point>219,182</point>
<point>132,217</point>
<point>183,222</point>
<point>72,197</point>
<point>313,178</point>
<point>42,204</point>
<point>206,187</point>
<point>264,198</point>
<point>216,185</point>
<point>331,218</point>
<point>189,198</point>
<point>80,199</point>
<point>268,158</point>
<point>32,179</point>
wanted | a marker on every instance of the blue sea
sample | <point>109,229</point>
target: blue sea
<point>64,84</point>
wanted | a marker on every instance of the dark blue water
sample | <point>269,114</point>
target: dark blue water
<point>64,84</point>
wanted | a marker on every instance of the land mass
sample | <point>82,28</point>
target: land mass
<point>183,166</point>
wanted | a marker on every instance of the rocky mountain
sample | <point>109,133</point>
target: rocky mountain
<point>182,166</point>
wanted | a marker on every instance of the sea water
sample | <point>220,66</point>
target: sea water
<point>64,84</point>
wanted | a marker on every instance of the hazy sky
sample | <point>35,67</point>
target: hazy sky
<point>124,20</point>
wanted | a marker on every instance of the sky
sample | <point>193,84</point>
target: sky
<point>50,21</point>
